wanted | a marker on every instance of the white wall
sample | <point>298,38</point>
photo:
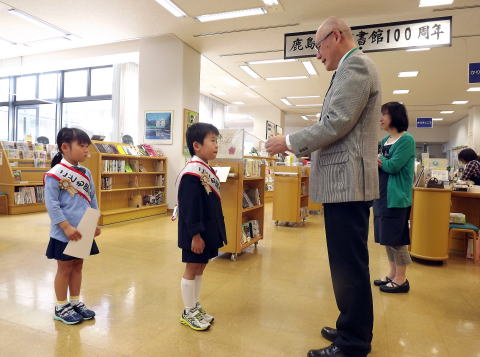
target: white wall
<point>259,114</point>
<point>169,79</point>
<point>466,131</point>
<point>458,135</point>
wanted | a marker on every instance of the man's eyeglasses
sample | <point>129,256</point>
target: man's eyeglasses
<point>319,43</point>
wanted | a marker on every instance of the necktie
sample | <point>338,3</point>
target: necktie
<point>328,90</point>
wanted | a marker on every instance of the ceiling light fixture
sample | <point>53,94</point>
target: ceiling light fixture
<point>447,112</point>
<point>309,67</point>
<point>408,74</point>
<point>285,78</point>
<point>250,72</point>
<point>460,102</point>
<point>304,117</point>
<point>219,93</point>
<point>37,21</point>
<point>420,49</point>
<point>231,14</point>
<point>272,61</point>
<point>270,2</point>
<point>238,103</point>
<point>473,89</point>
<point>437,119</point>
<point>172,8</point>
<point>401,91</point>
<point>285,101</point>
<point>426,3</point>
<point>304,97</point>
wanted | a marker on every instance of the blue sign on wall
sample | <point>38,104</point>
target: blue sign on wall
<point>424,123</point>
<point>474,73</point>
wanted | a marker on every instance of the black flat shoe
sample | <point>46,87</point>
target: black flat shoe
<point>331,350</point>
<point>395,288</point>
<point>329,334</point>
<point>382,282</point>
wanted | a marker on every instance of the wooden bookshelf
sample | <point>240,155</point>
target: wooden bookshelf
<point>232,205</point>
<point>30,177</point>
<point>269,179</point>
<point>288,199</point>
<point>128,188</point>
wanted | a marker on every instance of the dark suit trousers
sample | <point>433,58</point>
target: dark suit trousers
<point>346,226</point>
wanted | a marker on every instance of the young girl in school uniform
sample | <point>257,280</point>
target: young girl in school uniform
<point>69,191</point>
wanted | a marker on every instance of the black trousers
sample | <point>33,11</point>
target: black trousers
<point>346,226</point>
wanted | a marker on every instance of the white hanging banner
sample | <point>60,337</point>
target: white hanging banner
<point>436,32</point>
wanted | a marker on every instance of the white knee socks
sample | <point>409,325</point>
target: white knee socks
<point>188,293</point>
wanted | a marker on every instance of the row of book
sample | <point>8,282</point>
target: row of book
<point>251,198</point>
<point>133,182</point>
<point>134,150</point>
<point>30,195</point>
<point>29,151</point>
<point>252,168</point>
<point>250,230</point>
<point>129,166</point>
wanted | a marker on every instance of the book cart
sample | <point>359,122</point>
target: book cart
<point>269,163</point>
<point>243,211</point>
<point>290,198</point>
<point>21,176</point>
<point>129,181</point>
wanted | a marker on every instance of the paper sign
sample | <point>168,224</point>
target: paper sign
<point>222,172</point>
<point>81,248</point>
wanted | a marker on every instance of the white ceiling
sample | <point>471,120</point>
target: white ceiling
<point>441,80</point>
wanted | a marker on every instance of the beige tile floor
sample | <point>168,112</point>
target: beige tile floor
<point>272,302</point>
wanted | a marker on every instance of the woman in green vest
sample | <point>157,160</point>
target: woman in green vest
<point>396,164</point>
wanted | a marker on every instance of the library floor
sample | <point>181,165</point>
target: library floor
<point>271,302</point>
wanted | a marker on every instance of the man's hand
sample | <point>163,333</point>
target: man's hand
<point>277,145</point>
<point>98,231</point>
<point>198,244</point>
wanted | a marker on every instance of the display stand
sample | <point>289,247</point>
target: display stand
<point>290,198</point>
<point>269,178</point>
<point>21,175</point>
<point>236,216</point>
<point>121,195</point>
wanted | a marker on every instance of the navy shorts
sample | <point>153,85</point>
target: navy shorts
<point>190,257</point>
<point>55,250</point>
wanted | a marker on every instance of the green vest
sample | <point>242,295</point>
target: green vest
<point>400,165</point>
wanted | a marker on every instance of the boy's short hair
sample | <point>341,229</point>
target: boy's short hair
<point>197,132</point>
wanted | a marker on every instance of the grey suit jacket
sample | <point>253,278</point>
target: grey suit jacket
<point>344,141</point>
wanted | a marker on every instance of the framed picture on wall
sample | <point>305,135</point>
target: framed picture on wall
<point>158,126</point>
<point>189,118</point>
<point>279,130</point>
<point>270,130</point>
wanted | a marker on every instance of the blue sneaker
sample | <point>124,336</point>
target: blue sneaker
<point>82,310</point>
<point>67,315</point>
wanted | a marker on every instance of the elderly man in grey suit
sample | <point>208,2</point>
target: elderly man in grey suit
<point>344,177</point>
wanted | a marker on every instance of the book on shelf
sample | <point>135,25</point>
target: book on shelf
<point>142,150</point>
<point>149,149</point>
<point>250,230</point>
<point>251,198</point>
<point>17,175</point>
<point>28,154</point>
<point>252,168</point>
<point>128,168</point>
<point>107,183</point>
<point>13,153</point>
<point>159,180</point>
<point>120,150</point>
<point>29,195</point>
<point>114,165</point>
<point>39,147</point>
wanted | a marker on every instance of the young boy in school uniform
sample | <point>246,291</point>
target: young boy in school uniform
<point>201,226</point>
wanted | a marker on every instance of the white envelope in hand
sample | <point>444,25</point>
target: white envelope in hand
<point>87,226</point>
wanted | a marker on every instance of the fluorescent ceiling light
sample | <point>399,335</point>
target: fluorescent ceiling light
<point>447,112</point>
<point>309,67</point>
<point>459,102</point>
<point>5,41</point>
<point>238,103</point>
<point>425,3</point>
<point>401,91</point>
<point>231,14</point>
<point>36,21</point>
<point>285,101</point>
<point>308,105</point>
<point>408,74</point>
<point>219,93</point>
<point>304,97</point>
<point>304,117</point>
<point>172,8</point>
<point>270,2</point>
<point>473,89</point>
<point>437,119</point>
<point>285,78</point>
<point>419,49</point>
<point>272,61</point>
<point>250,72</point>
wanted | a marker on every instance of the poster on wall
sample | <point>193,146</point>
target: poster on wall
<point>270,132</point>
<point>230,144</point>
<point>158,126</point>
<point>189,118</point>
<point>279,130</point>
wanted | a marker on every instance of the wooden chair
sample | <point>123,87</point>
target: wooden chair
<point>469,230</point>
